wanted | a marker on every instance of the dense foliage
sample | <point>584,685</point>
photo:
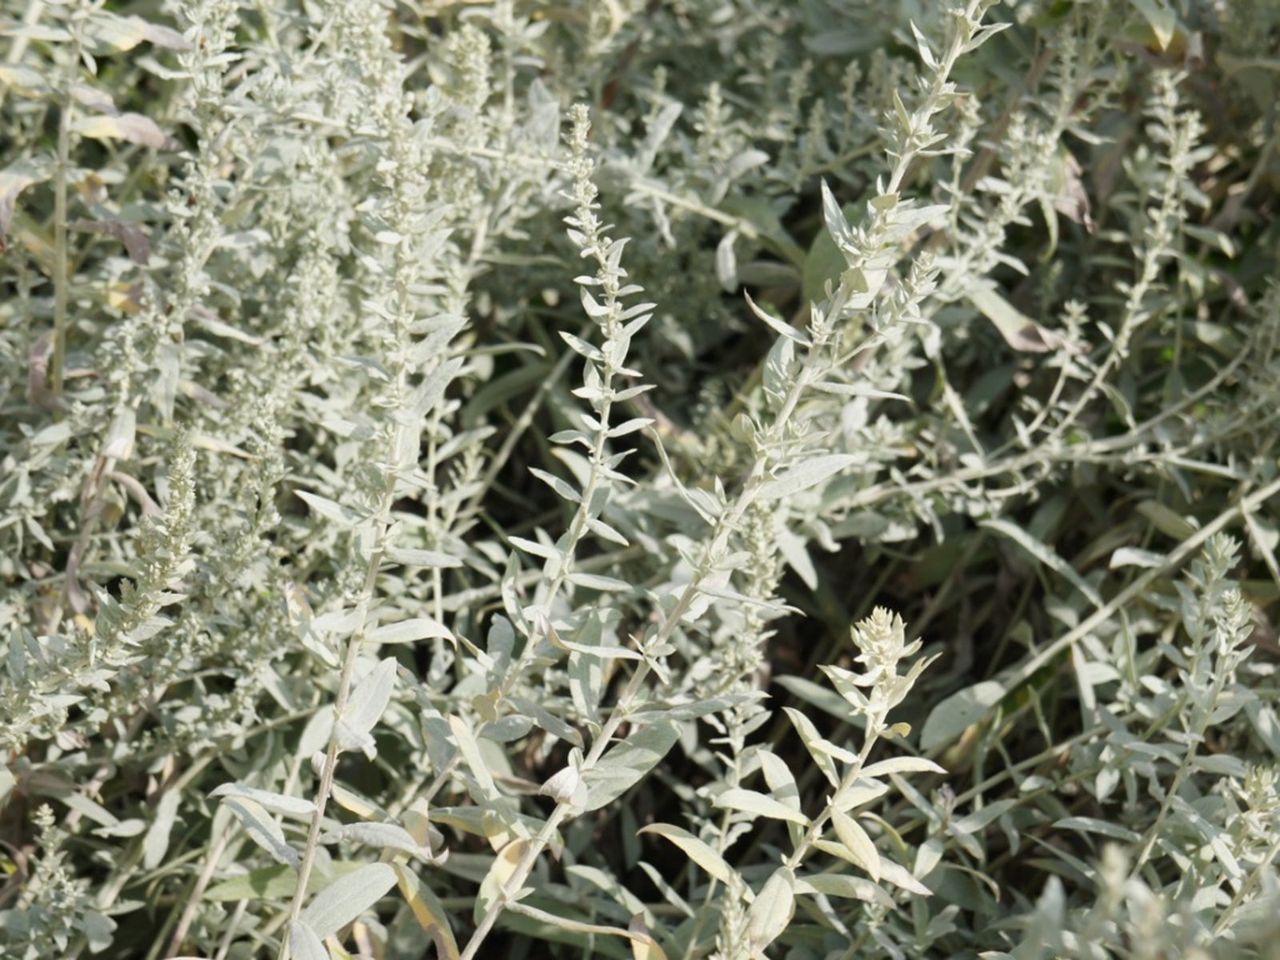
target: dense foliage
<point>639,478</point>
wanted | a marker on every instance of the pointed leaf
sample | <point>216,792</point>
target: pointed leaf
<point>368,700</point>
<point>388,836</point>
<point>771,911</point>
<point>156,842</point>
<point>1018,330</point>
<point>805,475</point>
<point>901,877</point>
<point>776,325</point>
<point>264,831</point>
<point>760,804</point>
<point>627,762</point>
<point>470,749</point>
<point>857,842</point>
<point>409,631</point>
<point>329,509</point>
<point>304,944</point>
<point>696,850</point>
<point>428,911</point>
<point>901,765</point>
<point>347,897</point>
<point>275,802</point>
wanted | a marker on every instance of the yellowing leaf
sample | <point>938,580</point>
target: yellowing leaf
<point>500,872</point>
<point>22,80</point>
<point>1019,330</point>
<point>1160,17</point>
<point>643,946</point>
<point>13,180</point>
<point>133,127</point>
<point>125,297</point>
<point>114,34</point>
<point>428,911</point>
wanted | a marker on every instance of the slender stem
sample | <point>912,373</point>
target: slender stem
<point>326,786</point>
<point>57,366</point>
<point>1184,768</point>
<point>323,791</point>
<point>212,859</point>
<point>819,823</point>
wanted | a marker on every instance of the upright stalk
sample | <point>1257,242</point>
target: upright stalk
<point>325,788</point>
<point>61,281</point>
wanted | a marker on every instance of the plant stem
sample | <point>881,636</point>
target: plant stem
<point>57,365</point>
<point>307,863</point>
<point>819,823</point>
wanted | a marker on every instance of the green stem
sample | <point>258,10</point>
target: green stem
<point>61,281</point>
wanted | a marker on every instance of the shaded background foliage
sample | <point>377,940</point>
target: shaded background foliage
<point>311,406</point>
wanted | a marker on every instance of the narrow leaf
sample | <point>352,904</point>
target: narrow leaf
<point>1019,330</point>
<point>470,749</point>
<point>772,910</point>
<point>329,509</point>
<point>776,325</point>
<point>347,897</point>
<point>304,944</point>
<point>412,557</point>
<point>857,842</point>
<point>264,831</point>
<point>696,850</point>
<point>901,765</point>
<point>275,802</point>
<point>813,742</point>
<point>900,877</point>
<point>805,475</point>
<point>428,911</point>
<point>368,700</point>
<point>760,804</point>
<point>156,843</point>
<point>1046,555</point>
<point>388,836</point>
<point>409,631</point>
<point>955,714</point>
